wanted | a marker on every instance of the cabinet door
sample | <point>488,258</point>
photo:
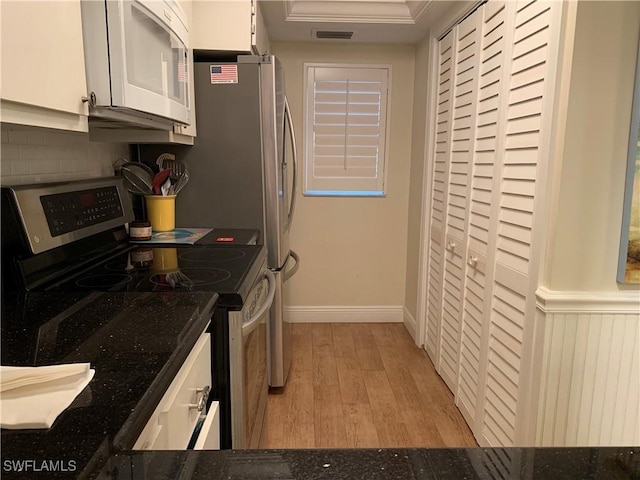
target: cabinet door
<point>222,25</point>
<point>260,37</point>
<point>209,437</point>
<point>43,74</point>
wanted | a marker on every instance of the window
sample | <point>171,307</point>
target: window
<point>345,129</point>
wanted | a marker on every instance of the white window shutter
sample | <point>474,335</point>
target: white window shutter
<point>346,129</point>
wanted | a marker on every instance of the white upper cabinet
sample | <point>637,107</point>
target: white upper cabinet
<point>43,70</point>
<point>235,26</point>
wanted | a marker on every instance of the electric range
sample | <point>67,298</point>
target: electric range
<point>72,283</point>
<point>224,270</point>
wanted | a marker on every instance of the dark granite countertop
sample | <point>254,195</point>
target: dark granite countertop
<point>370,464</point>
<point>135,341</point>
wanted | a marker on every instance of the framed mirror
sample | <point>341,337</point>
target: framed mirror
<point>629,259</point>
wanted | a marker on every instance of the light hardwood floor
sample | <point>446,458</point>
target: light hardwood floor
<point>362,386</point>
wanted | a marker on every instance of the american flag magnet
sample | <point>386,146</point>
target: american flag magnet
<point>224,73</point>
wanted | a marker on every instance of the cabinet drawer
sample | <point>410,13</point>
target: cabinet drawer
<point>209,436</point>
<point>172,423</point>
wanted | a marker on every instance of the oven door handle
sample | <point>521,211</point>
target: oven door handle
<point>254,321</point>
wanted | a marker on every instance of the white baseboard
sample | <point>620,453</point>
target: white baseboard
<point>410,323</point>
<point>340,314</point>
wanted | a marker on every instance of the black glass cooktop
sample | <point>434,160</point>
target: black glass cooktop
<point>226,270</point>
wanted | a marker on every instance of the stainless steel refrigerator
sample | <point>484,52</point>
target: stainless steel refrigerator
<point>243,171</point>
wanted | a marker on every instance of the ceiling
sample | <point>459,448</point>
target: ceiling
<point>371,21</point>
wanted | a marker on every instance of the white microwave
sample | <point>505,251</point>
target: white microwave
<point>138,62</point>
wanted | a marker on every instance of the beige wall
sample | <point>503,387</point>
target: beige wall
<point>585,233</point>
<point>353,250</point>
<point>418,158</point>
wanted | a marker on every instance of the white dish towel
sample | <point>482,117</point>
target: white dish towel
<point>33,397</point>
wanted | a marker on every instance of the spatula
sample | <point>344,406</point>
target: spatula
<point>159,178</point>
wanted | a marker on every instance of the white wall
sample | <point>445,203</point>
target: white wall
<point>353,250</point>
<point>38,155</point>
<point>418,158</point>
<point>584,240</point>
<point>589,365</point>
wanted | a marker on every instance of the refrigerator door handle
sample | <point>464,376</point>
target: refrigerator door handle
<point>290,273</point>
<point>294,190</point>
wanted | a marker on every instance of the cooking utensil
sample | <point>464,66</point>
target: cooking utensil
<point>166,186</point>
<point>181,182</point>
<point>178,170</point>
<point>179,279</point>
<point>158,179</point>
<point>177,167</point>
<point>165,157</point>
<point>138,177</point>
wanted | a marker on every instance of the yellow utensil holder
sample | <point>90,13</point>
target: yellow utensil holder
<point>161,212</point>
<point>165,260</point>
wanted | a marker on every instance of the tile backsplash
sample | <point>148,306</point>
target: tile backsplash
<point>38,155</point>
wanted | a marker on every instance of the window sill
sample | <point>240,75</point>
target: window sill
<point>343,193</point>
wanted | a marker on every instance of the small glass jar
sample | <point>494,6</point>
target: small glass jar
<point>140,230</point>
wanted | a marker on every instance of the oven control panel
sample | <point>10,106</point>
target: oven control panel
<point>69,211</point>
<point>50,215</point>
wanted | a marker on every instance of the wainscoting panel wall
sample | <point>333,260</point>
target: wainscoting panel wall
<point>590,386</point>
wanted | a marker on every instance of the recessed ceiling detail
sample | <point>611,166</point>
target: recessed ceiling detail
<point>372,21</point>
<point>355,11</point>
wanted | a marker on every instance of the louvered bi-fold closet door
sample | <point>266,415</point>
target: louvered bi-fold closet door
<point>492,18</point>
<point>440,174</point>
<point>523,136</point>
<point>465,82</point>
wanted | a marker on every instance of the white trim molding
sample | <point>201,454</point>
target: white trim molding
<point>410,324</point>
<point>392,12</point>
<point>346,314</point>
<point>613,302</point>
<point>589,388</point>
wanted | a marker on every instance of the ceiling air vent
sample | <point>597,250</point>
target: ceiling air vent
<point>334,35</point>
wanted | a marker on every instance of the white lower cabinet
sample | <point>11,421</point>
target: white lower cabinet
<point>209,436</point>
<point>183,407</point>
<point>495,88</point>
